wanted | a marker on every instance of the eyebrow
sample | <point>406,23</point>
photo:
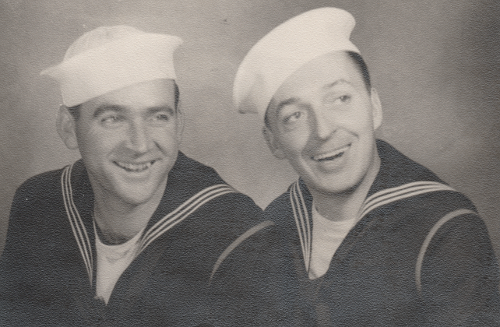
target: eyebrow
<point>154,110</point>
<point>120,109</point>
<point>335,83</point>
<point>294,100</point>
<point>105,108</point>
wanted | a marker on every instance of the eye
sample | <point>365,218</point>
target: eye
<point>292,118</point>
<point>337,97</point>
<point>112,120</point>
<point>161,116</point>
<point>344,98</point>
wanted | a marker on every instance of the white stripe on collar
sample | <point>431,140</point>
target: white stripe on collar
<point>159,228</point>
<point>376,200</point>
<point>79,230</point>
<point>302,221</point>
<point>401,192</point>
<point>183,211</point>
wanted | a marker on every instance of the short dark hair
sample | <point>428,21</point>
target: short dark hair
<point>75,110</point>
<point>362,67</point>
<point>363,70</point>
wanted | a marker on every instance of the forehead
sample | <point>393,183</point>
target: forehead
<point>335,68</point>
<point>155,93</point>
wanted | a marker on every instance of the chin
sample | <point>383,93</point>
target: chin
<point>137,197</point>
<point>339,190</point>
<point>334,186</point>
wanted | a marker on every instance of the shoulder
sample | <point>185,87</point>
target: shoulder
<point>280,209</point>
<point>409,188</point>
<point>36,211</point>
<point>190,178</point>
<point>417,214</point>
<point>48,184</point>
<point>194,176</point>
<point>39,186</point>
<point>187,171</point>
<point>438,201</point>
<point>282,202</point>
<point>40,196</point>
<point>234,208</point>
<point>396,169</point>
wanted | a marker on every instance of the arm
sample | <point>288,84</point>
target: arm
<point>251,276</point>
<point>254,278</point>
<point>14,263</point>
<point>460,275</point>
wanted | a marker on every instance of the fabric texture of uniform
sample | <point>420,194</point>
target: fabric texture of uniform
<point>371,278</point>
<point>47,270</point>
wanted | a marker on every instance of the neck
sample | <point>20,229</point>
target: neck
<point>117,222</point>
<point>346,205</point>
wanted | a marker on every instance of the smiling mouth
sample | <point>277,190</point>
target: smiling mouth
<point>330,155</point>
<point>134,167</point>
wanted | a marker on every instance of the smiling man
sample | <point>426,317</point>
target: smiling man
<point>375,238</point>
<point>135,233</point>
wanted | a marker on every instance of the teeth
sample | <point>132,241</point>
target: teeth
<point>134,167</point>
<point>330,155</point>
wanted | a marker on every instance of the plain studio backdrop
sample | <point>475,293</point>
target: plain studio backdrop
<point>435,63</point>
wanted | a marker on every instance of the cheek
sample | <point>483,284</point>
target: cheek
<point>361,122</point>
<point>165,136</point>
<point>97,144</point>
<point>294,143</point>
<point>90,135</point>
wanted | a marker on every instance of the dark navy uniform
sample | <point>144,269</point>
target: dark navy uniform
<point>382,274</point>
<point>179,278</point>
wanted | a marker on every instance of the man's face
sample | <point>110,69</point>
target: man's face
<point>322,119</point>
<point>129,139</point>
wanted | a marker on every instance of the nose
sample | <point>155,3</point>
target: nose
<point>138,138</point>
<point>323,123</point>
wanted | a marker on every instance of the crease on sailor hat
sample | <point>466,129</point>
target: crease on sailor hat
<point>284,50</point>
<point>109,58</point>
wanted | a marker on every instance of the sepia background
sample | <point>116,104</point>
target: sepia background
<point>435,63</point>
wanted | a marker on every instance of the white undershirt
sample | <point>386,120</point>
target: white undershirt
<point>327,235</point>
<point>112,260</point>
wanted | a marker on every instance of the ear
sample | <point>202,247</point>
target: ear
<point>66,127</point>
<point>376,109</point>
<point>272,143</point>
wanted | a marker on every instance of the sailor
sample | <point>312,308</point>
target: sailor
<point>135,233</point>
<point>375,238</point>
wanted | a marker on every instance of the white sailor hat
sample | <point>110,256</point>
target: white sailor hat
<point>109,58</point>
<point>284,50</point>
